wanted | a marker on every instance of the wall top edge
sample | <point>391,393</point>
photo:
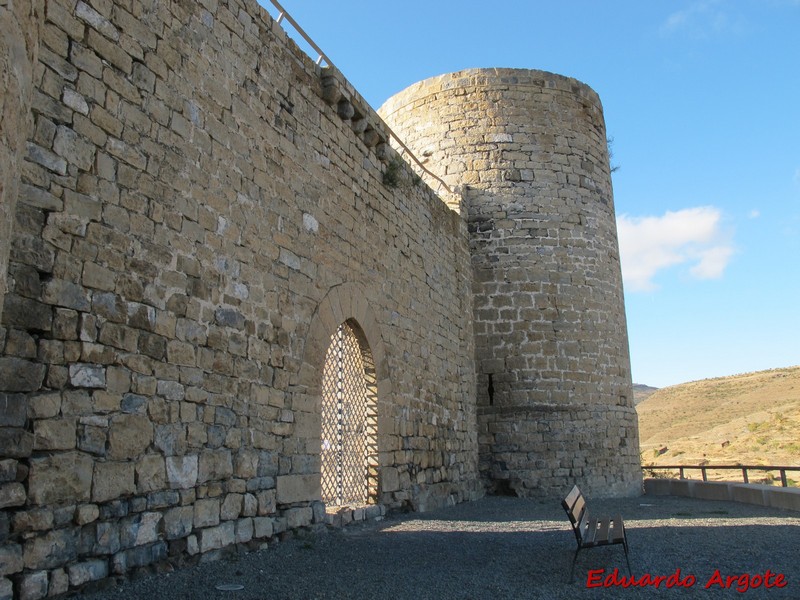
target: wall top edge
<point>495,77</point>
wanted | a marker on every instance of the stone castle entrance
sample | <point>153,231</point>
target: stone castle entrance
<point>349,446</point>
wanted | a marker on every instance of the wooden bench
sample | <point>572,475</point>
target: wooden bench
<point>591,532</point>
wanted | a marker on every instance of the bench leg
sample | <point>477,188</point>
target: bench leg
<point>625,546</point>
<point>572,571</point>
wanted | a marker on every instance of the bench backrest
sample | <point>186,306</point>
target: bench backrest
<point>575,506</point>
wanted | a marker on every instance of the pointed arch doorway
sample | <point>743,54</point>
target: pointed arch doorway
<point>349,440</point>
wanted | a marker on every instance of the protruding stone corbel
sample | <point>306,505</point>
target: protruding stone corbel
<point>371,137</point>
<point>358,124</point>
<point>331,93</point>
<point>331,88</point>
<point>382,151</point>
<point>345,109</point>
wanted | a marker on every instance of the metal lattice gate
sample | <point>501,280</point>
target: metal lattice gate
<point>346,444</point>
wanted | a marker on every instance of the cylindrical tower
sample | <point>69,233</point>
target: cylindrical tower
<point>528,151</point>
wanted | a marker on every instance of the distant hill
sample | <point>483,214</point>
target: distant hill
<point>642,392</point>
<point>753,418</point>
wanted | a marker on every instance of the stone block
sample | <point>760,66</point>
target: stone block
<point>181,353</point>
<point>231,507</point>
<point>217,537</point>
<point>150,473</point>
<point>12,494</point>
<point>298,488</point>
<point>214,465</point>
<point>6,589</point>
<point>182,471</point>
<point>51,550</point>
<point>60,292</point>
<point>134,404</point>
<point>711,490</point>
<point>20,375</point>
<point>8,470</point>
<point>87,376</point>
<point>86,513</point>
<point>299,517</point>
<point>267,501</point>
<point>54,434</point>
<point>139,529</point>
<point>35,519</point>
<point>92,439</point>
<point>246,463</point>
<point>10,559</point>
<point>44,406</point>
<point>783,497</point>
<point>262,527</point>
<point>63,477</point>
<point>681,487</point>
<point>20,344</point>
<point>320,513</point>
<point>107,541</point>
<point>170,439</point>
<point>119,336</point>
<point>206,512</point>
<point>59,582</point>
<point>748,493</point>
<point>13,410</point>
<point>390,479</point>
<point>74,148</point>
<point>140,556</point>
<point>129,436</point>
<point>163,499</point>
<point>15,442</point>
<point>178,522</point>
<point>113,480</point>
<point>76,403</point>
<point>90,570</point>
<point>249,506</point>
<point>229,317</point>
<point>33,586</point>
<point>192,545</point>
<point>75,101</point>
<point>244,530</point>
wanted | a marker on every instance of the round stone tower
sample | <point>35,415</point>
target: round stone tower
<point>528,152</point>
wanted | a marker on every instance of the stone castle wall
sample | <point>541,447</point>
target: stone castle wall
<point>19,44</point>
<point>199,208</point>
<point>528,151</point>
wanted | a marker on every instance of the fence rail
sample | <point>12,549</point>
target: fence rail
<point>743,468</point>
<point>283,14</point>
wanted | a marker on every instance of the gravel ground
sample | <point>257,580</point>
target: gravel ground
<point>502,547</point>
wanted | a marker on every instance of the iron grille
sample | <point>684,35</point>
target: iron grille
<point>344,422</point>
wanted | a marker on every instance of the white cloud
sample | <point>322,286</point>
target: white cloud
<point>703,18</point>
<point>692,236</point>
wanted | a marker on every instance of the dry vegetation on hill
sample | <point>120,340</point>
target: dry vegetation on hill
<point>751,419</point>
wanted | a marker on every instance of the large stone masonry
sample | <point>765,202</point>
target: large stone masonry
<point>199,208</point>
<point>19,44</point>
<point>528,151</point>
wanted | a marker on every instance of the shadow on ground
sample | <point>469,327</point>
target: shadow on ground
<point>506,548</point>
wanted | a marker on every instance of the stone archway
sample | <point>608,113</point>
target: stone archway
<point>349,415</point>
<point>348,303</point>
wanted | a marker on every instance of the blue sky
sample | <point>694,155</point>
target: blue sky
<point>702,100</point>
